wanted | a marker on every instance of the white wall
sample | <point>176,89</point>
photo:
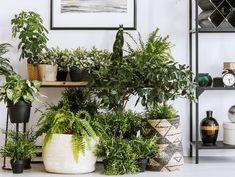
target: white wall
<point>171,16</point>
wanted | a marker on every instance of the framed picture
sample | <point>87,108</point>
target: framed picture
<point>93,14</point>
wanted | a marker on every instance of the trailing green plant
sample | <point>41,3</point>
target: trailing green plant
<point>5,66</point>
<point>19,146</point>
<point>161,111</point>
<point>56,120</point>
<point>17,88</point>
<point>28,26</point>
<point>124,124</point>
<point>76,99</point>
<point>50,57</point>
<point>119,156</point>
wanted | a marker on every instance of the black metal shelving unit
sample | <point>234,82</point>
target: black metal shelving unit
<point>194,33</point>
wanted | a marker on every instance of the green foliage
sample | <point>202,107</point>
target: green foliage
<point>119,156</point>
<point>161,111</point>
<point>5,66</point>
<point>145,148</point>
<point>50,57</point>
<point>78,59</point>
<point>19,146</point>
<point>123,124</point>
<point>17,88</point>
<point>76,99</point>
<point>63,58</point>
<point>114,78</point>
<point>157,77</point>
<point>32,34</point>
<point>56,120</point>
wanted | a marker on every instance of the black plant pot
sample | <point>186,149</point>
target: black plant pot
<point>61,75</point>
<point>142,163</point>
<point>27,163</point>
<point>17,166</point>
<point>78,75</point>
<point>19,112</point>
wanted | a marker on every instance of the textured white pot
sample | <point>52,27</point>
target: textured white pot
<point>58,156</point>
<point>47,72</point>
<point>229,133</point>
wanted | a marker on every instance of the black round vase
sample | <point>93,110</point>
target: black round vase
<point>19,112</point>
<point>142,163</point>
<point>61,75</point>
<point>209,129</point>
<point>17,166</point>
<point>78,75</point>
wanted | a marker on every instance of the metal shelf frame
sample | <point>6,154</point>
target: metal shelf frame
<point>194,62</point>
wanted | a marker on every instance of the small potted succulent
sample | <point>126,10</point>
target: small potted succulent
<point>70,142</point>
<point>19,95</point>
<point>28,26</point>
<point>19,148</point>
<point>47,66</point>
<point>5,66</point>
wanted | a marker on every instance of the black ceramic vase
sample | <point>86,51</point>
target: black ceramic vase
<point>142,163</point>
<point>209,129</point>
<point>78,75</point>
<point>61,75</point>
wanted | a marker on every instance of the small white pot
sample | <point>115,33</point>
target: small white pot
<point>58,156</point>
<point>47,73</point>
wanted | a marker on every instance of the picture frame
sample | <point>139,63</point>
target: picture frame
<point>70,14</point>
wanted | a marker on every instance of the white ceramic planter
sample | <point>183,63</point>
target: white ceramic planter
<point>47,72</point>
<point>229,133</point>
<point>58,156</point>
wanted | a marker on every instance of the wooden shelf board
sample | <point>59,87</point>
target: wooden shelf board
<point>64,84</point>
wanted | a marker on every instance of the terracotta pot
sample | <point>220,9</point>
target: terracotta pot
<point>170,152</point>
<point>33,73</point>
<point>47,73</point>
<point>58,156</point>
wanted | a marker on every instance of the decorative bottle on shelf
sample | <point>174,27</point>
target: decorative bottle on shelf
<point>209,129</point>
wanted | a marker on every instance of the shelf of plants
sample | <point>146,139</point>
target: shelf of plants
<point>211,16</point>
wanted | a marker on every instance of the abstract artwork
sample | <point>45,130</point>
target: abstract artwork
<point>93,14</point>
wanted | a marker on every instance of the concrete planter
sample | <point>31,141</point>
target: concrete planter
<point>58,156</point>
<point>170,155</point>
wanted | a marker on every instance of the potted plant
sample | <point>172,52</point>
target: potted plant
<point>78,71</point>
<point>18,94</point>
<point>145,148</point>
<point>119,145</point>
<point>47,66</point>
<point>160,79</point>
<point>28,26</point>
<point>19,148</point>
<point>5,66</point>
<point>70,141</point>
<point>63,62</point>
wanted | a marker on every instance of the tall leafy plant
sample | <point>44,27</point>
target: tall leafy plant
<point>28,26</point>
